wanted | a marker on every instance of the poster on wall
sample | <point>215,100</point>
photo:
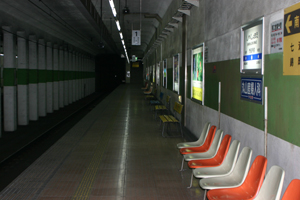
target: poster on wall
<point>291,50</point>
<point>157,74</point>
<point>154,74</point>
<point>150,72</point>
<point>165,73</point>
<point>276,36</point>
<point>176,73</point>
<point>197,72</point>
<point>252,48</point>
<point>147,73</point>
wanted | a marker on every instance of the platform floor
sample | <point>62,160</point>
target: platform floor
<point>114,152</point>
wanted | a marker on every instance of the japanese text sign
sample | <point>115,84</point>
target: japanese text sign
<point>251,89</point>
<point>291,47</point>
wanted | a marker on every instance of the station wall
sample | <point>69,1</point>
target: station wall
<point>218,25</point>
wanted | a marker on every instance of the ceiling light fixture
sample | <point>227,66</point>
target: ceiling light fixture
<point>113,9</point>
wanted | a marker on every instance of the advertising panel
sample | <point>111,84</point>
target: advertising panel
<point>165,73</point>
<point>157,74</point>
<point>197,73</point>
<point>153,73</point>
<point>252,48</point>
<point>176,73</point>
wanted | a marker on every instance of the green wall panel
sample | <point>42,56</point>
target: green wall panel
<point>228,72</point>
<point>33,76</point>
<point>9,76</point>
<point>22,75</point>
<point>283,100</point>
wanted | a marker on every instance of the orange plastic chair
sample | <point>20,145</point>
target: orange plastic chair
<point>213,162</point>
<point>206,145</point>
<point>251,186</point>
<point>292,191</point>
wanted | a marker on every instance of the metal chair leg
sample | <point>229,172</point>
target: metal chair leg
<point>182,163</point>
<point>204,195</point>
<point>191,181</point>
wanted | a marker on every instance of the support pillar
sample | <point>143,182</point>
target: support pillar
<point>22,73</point>
<point>61,78</point>
<point>70,77</point>
<point>66,81</point>
<point>73,76</point>
<point>42,78</point>
<point>55,78</point>
<point>49,78</point>
<point>33,79</point>
<point>9,85</point>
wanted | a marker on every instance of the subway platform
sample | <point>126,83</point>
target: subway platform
<point>115,152</point>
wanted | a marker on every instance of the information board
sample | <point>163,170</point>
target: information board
<point>165,73</point>
<point>136,37</point>
<point>276,36</point>
<point>176,73</point>
<point>197,72</point>
<point>251,89</point>
<point>252,47</point>
<point>291,47</point>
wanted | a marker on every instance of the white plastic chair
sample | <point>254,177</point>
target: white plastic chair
<point>225,168</point>
<point>272,185</point>
<point>199,142</point>
<point>234,179</point>
<point>210,153</point>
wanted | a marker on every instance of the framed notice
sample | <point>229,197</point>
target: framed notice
<point>153,73</point>
<point>158,74</point>
<point>176,73</point>
<point>252,48</point>
<point>165,73</point>
<point>197,73</point>
<point>150,72</point>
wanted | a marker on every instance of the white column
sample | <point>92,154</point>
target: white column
<point>49,78</point>
<point>33,79</point>
<point>74,77</point>
<point>42,78</point>
<point>61,78</point>
<point>70,77</point>
<point>66,82</point>
<point>55,77</point>
<point>23,111</point>
<point>9,85</point>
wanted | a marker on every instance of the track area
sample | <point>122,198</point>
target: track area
<point>21,148</point>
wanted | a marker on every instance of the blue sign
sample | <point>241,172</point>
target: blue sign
<point>251,89</point>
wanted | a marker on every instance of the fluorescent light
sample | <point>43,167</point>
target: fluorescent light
<point>112,6</point>
<point>118,25</point>
<point>121,35</point>
<point>123,42</point>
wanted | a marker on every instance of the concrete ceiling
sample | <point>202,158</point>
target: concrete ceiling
<point>144,15</point>
<point>69,23</point>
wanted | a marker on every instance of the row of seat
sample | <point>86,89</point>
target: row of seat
<point>228,176</point>
<point>165,118</point>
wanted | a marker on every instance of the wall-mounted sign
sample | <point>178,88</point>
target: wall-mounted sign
<point>165,73</point>
<point>276,36</point>
<point>251,89</point>
<point>197,72</point>
<point>136,37</point>
<point>176,73</point>
<point>158,74</point>
<point>291,50</point>
<point>252,48</point>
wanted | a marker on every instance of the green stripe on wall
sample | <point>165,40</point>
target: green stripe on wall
<point>55,75</point>
<point>22,75</point>
<point>33,76</point>
<point>9,76</point>
<point>61,75</point>
<point>49,75</point>
<point>42,78</point>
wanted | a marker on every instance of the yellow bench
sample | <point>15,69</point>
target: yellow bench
<point>168,119</point>
<point>159,108</point>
